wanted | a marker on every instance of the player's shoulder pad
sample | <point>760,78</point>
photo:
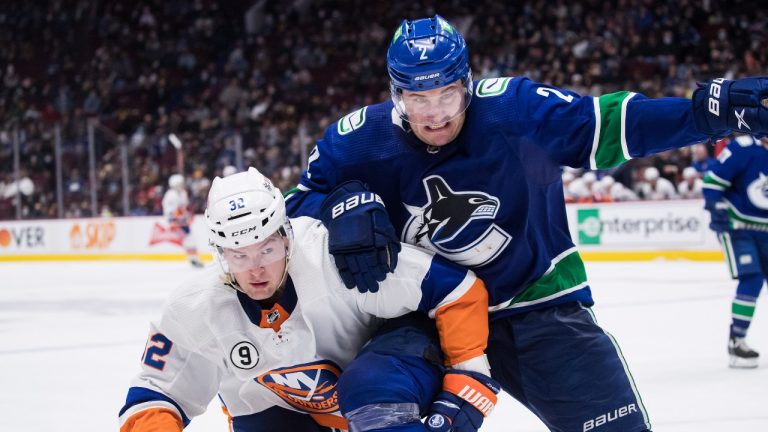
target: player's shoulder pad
<point>368,117</point>
<point>198,291</point>
<point>493,87</point>
<point>306,228</point>
<point>363,135</point>
<point>494,99</point>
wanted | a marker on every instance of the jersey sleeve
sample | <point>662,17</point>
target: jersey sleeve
<point>453,296</point>
<point>320,175</point>
<point>316,181</point>
<point>175,383</point>
<point>730,162</point>
<point>602,132</point>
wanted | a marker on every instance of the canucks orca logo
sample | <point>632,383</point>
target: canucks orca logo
<point>757,191</point>
<point>442,224</point>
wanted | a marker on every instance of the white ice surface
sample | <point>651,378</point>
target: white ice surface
<point>72,334</point>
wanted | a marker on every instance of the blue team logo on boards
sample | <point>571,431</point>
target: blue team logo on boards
<point>309,387</point>
<point>442,224</point>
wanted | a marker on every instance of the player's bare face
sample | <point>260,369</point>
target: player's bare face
<point>259,268</point>
<point>436,116</point>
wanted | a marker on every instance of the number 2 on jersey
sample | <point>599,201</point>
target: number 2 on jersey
<point>158,346</point>
<point>544,91</point>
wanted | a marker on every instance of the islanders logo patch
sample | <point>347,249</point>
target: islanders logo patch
<point>310,387</point>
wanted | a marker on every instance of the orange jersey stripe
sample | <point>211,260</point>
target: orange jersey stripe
<point>463,325</point>
<point>153,420</point>
<point>331,421</point>
<point>224,409</point>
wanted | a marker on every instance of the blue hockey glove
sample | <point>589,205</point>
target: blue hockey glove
<point>467,398</point>
<point>361,238</point>
<point>718,212</point>
<point>721,106</point>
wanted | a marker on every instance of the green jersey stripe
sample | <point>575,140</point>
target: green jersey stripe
<point>717,179</point>
<point>725,239</point>
<point>566,275</point>
<point>711,179</point>
<point>611,117</point>
<point>713,186</point>
<point>741,221</point>
<point>288,193</point>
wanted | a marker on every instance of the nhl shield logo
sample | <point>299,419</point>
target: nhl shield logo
<point>273,316</point>
<point>442,224</point>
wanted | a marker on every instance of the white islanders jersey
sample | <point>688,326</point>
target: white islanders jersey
<point>175,204</point>
<point>213,339</point>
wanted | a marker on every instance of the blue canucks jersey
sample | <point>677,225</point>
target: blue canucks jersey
<point>740,179</point>
<point>492,199</point>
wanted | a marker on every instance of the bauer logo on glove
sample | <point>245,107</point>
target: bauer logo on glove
<point>354,201</point>
<point>721,106</point>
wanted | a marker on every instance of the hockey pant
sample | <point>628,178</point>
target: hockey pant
<point>566,370</point>
<point>391,383</point>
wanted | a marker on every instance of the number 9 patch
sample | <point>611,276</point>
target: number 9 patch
<point>244,355</point>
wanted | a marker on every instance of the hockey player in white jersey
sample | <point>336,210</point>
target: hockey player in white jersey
<point>176,212</point>
<point>272,328</point>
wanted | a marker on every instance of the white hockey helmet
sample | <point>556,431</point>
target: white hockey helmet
<point>176,181</point>
<point>244,209</point>
<point>246,213</point>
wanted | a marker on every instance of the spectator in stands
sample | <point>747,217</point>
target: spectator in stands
<point>691,185</point>
<point>656,187</point>
<point>210,71</point>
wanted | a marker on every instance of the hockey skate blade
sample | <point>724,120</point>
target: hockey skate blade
<point>742,363</point>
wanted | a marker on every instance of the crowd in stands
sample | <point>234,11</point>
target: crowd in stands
<point>272,75</point>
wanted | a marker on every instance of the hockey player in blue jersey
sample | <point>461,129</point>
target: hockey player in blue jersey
<point>471,170</point>
<point>736,195</point>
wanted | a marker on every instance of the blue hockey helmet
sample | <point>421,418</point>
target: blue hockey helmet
<point>427,54</point>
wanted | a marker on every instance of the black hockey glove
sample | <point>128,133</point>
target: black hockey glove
<point>721,106</point>
<point>467,398</point>
<point>361,238</point>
